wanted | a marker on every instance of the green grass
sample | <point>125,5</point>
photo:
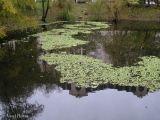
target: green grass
<point>140,13</point>
<point>100,11</point>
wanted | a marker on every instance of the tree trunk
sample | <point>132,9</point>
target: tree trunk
<point>45,12</point>
<point>45,16</point>
<point>144,2</point>
<point>115,20</point>
<point>148,3</point>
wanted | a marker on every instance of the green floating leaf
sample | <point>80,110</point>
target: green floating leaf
<point>63,38</point>
<point>90,72</point>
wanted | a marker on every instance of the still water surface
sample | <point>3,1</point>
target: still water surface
<point>30,88</point>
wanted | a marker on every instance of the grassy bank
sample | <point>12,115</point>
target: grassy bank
<point>98,12</point>
<point>141,14</point>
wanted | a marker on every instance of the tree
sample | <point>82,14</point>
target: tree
<point>2,32</point>
<point>13,15</point>
<point>115,7</point>
<point>148,2</point>
<point>45,12</point>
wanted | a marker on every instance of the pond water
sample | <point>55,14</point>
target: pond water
<point>30,88</point>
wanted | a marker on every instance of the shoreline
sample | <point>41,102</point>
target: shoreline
<point>128,22</point>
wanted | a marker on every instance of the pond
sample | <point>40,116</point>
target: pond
<point>31,88</point>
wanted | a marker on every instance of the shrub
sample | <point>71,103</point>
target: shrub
<point>66,14</point>
<point>97,10</point>
<point>2,31</point>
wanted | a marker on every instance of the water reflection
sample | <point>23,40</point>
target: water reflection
<point>101,54</point>
<point>19,108</point>
<point>77,91</point>
<point>82,91</point>
<point>12,44</point>
<point>125,48</point>
<point>120,47</point>
<point>22,73</point>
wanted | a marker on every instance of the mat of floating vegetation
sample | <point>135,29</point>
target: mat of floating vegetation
<point>89,72</point>
<point>63,37</point>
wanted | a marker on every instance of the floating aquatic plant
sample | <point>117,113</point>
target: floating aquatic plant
<point>90,72</point>
<point>60,41</point>
<point>63,37</point>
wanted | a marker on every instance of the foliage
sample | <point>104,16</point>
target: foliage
<point>133,2</point>
<point>63,37</point>
<point>98,10</point>
<point>7,8</point>
<point>121,9</point>
<point>145,14</point>
<point>26,4</point>
<point>50,42</point>
<point>101,8</point>
<point>2,32</point>
<point>89,72</point>
<point>115,7</point>
<point>15,7</point>
<point>66,14</point>
<point>61,3</point>
<point>12,15</point>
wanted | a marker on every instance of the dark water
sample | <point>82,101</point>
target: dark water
<point>30,88</point>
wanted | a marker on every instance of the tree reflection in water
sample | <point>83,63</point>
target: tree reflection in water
<point>82,91</point>
<point>119,47</point>
<point>21,72</point>
<point>19,108</point>
<point>125,47</point>
<point>20,76</point>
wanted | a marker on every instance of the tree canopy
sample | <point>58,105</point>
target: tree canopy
<point>13,13</point>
